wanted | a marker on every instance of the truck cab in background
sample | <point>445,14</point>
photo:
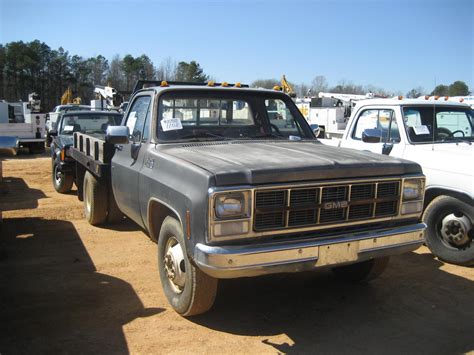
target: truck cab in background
<point>438,135</point>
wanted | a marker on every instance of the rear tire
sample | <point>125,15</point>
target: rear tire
<point>364,271</point>
<point>95,200</point>
<point>189,290</point>
<point>62,181</point>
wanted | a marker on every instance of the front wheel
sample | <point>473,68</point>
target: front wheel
<point>188,289</point>
<point>62,181</point>
<point>450,233</point>
<point>363,271</point>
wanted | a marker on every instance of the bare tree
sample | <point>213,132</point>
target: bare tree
<point>166,70</point>
<point>319,84</point>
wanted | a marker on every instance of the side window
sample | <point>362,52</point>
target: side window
<point>368,119</point>
<point>383,120</point>
<point>137,118</point>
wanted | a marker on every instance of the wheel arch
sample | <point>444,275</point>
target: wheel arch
<point>431,194</point>
<point>157,212</point>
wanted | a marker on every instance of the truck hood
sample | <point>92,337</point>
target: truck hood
<point>64,140</point>
<point>261,162</point>
<point>449,157</point>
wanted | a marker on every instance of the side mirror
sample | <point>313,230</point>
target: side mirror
<point>316,130</point>
<point>372,135</point>
<point>117,135</point>
<point>53,133</point>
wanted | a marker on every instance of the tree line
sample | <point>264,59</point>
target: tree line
<point>320,84</point>
<point>27,67</point>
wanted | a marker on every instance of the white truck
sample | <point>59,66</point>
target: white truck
<point>22,125</point>
<point>330,111</point>
<point>438,135</point>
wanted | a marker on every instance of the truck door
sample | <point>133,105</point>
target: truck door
<point>128,159</point>
<point>383,122</point>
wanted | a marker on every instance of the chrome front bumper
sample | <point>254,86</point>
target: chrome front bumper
<point>253,260</point>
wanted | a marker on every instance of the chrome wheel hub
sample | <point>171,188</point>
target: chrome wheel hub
<point>57,175</point>
<point>455,230</point>
<point>174,265</point>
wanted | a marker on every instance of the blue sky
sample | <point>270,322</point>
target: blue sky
<point>396,45</point>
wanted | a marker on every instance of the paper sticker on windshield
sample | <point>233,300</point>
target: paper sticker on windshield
<point>421,130</point>
<point>171,124</point>
<point>68,128</point>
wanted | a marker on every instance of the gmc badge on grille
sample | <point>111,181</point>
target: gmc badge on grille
<point>334,204</point>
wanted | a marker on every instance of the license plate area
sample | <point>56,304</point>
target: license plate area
<point>338,253</point>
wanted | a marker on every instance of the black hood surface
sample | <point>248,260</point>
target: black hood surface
<point>64,140</point>
<point>263,162</point>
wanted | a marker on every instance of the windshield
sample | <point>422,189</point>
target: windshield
<point>230,115</point>
<point>426,124</point>
<point>92,123</point>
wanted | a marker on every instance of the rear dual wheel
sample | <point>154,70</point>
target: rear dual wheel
<point>99,202</point>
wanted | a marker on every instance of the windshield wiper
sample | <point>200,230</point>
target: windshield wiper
<point>204,135</point>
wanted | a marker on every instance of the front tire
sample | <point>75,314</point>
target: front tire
<point>62,181</point>
<point>449,233</point>
<point>95,200</point>
<point>364,271</point>
<point>189,290</point>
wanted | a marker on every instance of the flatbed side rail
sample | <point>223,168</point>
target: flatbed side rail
<point>93,153</point>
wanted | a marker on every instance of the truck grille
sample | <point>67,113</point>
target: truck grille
<point>325,205</point>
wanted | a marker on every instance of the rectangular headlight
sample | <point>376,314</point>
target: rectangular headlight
<point>234,204</point>
<point>413,189</point>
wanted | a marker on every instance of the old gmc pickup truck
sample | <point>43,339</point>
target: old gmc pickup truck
<point>231,182</point>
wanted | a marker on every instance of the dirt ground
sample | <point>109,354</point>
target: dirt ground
<point>68,287</point>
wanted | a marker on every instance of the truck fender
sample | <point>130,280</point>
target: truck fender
<point>156,214</point>
<point>432,193</point>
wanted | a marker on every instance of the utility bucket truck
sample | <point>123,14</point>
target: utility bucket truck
<point>22,125</point>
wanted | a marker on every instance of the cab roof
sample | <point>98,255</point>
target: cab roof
<point>417,102</point>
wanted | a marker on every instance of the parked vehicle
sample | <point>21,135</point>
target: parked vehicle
<point>22,125</point>
<point>229,188</point>
<point>53,117</point>
<point>91,122</point>
<point>438,135</point>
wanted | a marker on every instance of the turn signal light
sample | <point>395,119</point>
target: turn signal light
<point>164,83</point>
<point>225,84</point>
<point>436,97</point>
<point>446,98</point>
<point>461,100</point>
<point>277,88</point>
<point>63,154</point>
<point>211,83</point>
<point>238,85</point>
<point>427,97</point>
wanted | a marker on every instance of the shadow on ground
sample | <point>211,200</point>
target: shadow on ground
<point>12,192</point>
<point>413,308</point>
<point>53,300</point>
